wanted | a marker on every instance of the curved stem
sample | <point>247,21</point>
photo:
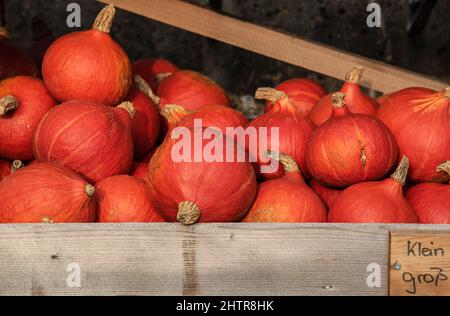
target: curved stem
<point>129,107</point>
<point>447,93</point>
<point>162,76</point>
<point>288,162</point>
<point>401,173</point>
<point>16,165</point>
<point>173,113</point>
<point>354,75</point>
<point>144,87</point>
<point>444,167</point>
<point>8,104</point>
<point>104,19</point>
<point>269,94</point>
<point>188,213</point>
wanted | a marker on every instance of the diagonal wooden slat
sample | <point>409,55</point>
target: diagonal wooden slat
<point>275,44</point>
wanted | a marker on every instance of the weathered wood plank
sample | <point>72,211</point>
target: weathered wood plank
<point>206,259</point>
<point>168,259</point>
<point>278,45</point>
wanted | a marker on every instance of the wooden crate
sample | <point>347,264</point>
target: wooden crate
<point>214,259</point>
<point>205,259</point>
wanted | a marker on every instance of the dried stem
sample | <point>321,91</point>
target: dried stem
<point>162,76</point>
<point>16,165</point>
<point>444,167</point>
<point>8,104</point>
<point>354,75</point>
<point>144,87</point>
<point>90,190</point>
<point>104,19</point>
<point>288,162</point>
<point>269,94</point>
<point>338,100</point>
<point>447,93</point>
<point>129,107</point>
<point>401,173</point>
<point>188,213</point>
<point>174,113</point>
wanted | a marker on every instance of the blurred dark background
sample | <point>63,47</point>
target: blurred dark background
<point>340,23</point>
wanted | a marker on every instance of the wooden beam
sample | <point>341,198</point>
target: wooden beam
<point>275,44</point>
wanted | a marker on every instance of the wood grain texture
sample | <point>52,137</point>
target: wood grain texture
<point>420,263</point>
<point>206,259</point>
<point>169,259</point>
<point>275,44</point>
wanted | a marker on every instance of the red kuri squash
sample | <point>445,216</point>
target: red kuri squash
<point>24,101</point>
<point>356,100</point>
<point>375,202</point>
<point>283,126</point>
<point>154,70</point>
<point>146,122</point>
<point>190,90</point>
<point>419,118</point>
<point>5,169</point>
<point>88,137</point>
<point>188,186</point>
<point>304,93</point>
<point>214,116</point>
<point>124,199</point>
<point>350,148</point>
<point>88,65</point>
<point>46,193</point>
<point>287,199</point>
<point>430,200</point>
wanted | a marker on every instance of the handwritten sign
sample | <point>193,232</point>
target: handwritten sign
<point>419,264</point>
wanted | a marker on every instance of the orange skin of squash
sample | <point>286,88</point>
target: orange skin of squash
<point>351,148</point>
<point>294,132</point>
<point>87,65</point>
<point>356,101</point>
<point>146,122</point>
<point>304,93</point>
<point>5,169</point>
<point>140,171</point>
<point>373,202</point>
<point>224,191</point>
<point>217,116</point>
<point>45,192</point>
<point>327,195</point>
<point>419,118</point>
<point>431,201</point>
<point>150,68</point>
<point>15,62</point>
<point>124,199</point>
<point>87,137</point>
<point>17,127</point>
<point>191,90</point>
<point>287,200</point>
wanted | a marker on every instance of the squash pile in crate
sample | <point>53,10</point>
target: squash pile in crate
<point>94,140</point>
